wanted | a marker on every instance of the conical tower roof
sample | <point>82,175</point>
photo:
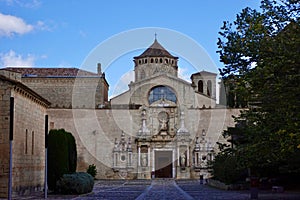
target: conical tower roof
<point>156,50</point>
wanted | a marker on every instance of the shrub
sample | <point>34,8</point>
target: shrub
<point>76,183</point>
<point>92,170</point>
<point>62,156</point>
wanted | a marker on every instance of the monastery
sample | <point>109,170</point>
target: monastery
<point>161,127</point>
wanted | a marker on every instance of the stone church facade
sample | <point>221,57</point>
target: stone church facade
<point>161,127</point>
<point>177,124</point>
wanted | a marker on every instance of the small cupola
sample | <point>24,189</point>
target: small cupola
<point>154,60</point>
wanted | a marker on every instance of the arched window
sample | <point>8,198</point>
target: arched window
<point>151,60</point>
<point>161,60</point>
<point>161,93</point>
<point>145,60</point>
<point>200,86</point>
<point>209,88</point>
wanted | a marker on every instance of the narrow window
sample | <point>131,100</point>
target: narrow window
<point>151,60</point>
<point>26,141</point>
<point>161,60</point>
<point>32,143</point>
<point>200,86</point>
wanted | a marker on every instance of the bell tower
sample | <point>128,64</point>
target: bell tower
<point>205,83</point>
<point>153,61</point>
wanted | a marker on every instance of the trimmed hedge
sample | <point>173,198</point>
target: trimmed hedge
<point>62,156</point>
<point>76,183</point>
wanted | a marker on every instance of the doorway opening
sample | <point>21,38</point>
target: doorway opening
<point>163,164</point>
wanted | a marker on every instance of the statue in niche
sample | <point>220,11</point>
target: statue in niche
<point>163,122</point>
<point>163,125</point>
<point>182,160</point>
<point>144,160</point>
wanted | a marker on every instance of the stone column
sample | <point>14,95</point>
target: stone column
<point>187,156</point>
<point>139,156</point>
<point>148,152</point>
<point>173,165</point>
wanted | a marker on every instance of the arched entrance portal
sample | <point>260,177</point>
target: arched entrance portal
<point>163,164</point>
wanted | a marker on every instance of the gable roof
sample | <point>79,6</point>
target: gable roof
<point>50,72</point>
<point>156,50</point>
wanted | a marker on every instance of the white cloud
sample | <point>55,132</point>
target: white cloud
<point>10,25</point>
<point>11,59</point>
<point>24,3</point>
<point>40,25</point>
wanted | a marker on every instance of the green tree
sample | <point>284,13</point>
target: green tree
<point>62,156</point>
<point>260,52</point>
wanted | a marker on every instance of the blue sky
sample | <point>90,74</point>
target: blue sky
<point>63,33</point>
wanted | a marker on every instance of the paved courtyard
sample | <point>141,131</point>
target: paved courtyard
<point>163,189</point>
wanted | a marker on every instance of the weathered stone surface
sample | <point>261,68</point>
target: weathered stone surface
<point>28,141</point>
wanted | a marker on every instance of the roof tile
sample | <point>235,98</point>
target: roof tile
<point>156,50</point>
<point>50,72</point>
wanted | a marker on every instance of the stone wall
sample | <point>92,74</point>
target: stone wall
<point>150,70</point>
<point>139,91</point>
<point>28,145</point>
<point>68,92</point>
<point>96,130</point>
<point>28,142</point>
<point>5,93</point>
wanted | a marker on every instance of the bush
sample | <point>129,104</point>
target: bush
<point>92,170</point>
<point>62,156</point>
<point>76,183</point>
